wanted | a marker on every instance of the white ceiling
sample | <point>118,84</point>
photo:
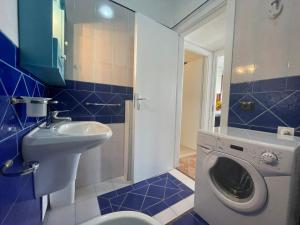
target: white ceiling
<point>211,35</point>
<point>166,12</point>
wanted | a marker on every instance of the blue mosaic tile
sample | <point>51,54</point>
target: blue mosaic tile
<point>267,119</point>
<point>7,50</point>
<point>248,116</point>
<point>30,84</point>
<point>129,90</point>
<point>17,205</point>
<point>155,209</point>
<point>270,99</point>
<point>277,101</point>
<point>278,84</point>
<point>80,96</point>
<point>10,77</point>
<point>70,84</point>
<point>118,89</point>
<point>103,119</point>
<point>84,86</point>
<point>293,83</point>
<point>76,94</point>
<point>103,88</point>
<point>190,218</point>
<point>241,88</point>
<point>150,196</point>
<point>289,110</point>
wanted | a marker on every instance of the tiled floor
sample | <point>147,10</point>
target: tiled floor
<point>150,196</point>
<point>189,218</point>
<point>187,165</point>
<point>86,206</point>
<point>185,151</point>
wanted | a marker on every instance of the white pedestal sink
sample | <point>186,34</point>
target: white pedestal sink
<point>58,150</point>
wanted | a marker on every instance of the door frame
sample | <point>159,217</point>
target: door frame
<point>197,19</point>
<point>207,83</point>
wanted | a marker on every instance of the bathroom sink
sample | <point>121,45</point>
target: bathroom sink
<point>58,151</point>
<point>83,129</point>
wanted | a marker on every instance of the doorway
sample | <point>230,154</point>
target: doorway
<point>191,110</point>
<point>203,85</point>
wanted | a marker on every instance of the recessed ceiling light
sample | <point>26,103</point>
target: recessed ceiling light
<point>106,11</point>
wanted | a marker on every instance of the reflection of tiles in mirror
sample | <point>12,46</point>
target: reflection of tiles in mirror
<point>187,165</point>
<point>149,196</point>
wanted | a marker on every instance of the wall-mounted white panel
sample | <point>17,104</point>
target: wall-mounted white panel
<point>9,19</point>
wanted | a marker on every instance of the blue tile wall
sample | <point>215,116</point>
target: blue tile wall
<point>277,103</point>
<point>17,203</point>
<point>77,93</point>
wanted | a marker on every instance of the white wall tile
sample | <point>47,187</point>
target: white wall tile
<point>272,45</point>
<point>103,50</point>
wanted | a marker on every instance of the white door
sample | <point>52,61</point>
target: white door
<point>156,59</point>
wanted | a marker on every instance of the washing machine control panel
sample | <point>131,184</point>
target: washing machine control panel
<point>269,158</point>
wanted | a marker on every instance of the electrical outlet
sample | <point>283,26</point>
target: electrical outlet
<point>286,131</point>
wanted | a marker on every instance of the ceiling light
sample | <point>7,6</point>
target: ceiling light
<point>106,11</point>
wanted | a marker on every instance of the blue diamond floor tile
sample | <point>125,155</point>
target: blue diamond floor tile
<point>189,218</point>
<point>150,196</point>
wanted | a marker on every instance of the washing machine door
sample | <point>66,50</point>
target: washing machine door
<point>235,182</point>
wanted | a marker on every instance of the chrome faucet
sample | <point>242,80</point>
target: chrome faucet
<point>53,118</point>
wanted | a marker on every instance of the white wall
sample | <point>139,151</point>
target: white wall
<point>101,50</point>
<point>191,103</point>
<point>9,19</point>
<point>265,48</point>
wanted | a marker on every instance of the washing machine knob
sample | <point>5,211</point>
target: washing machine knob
<point>269,158</point>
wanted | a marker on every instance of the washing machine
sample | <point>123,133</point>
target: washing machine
<point>247,177</point>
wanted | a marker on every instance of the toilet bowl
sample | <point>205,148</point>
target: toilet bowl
<point>123,218</point>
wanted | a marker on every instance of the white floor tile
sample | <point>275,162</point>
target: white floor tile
<point>86,210</point>
<point>183,206</point>
<point>120,182</point>
<point>61,216</point>
<point>103,187</point>
<point>165,216</point>
<point>84,193</point>
<point>183,178</point>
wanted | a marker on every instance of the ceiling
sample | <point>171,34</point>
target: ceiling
<point>166,12</point>
<point>211,35</point>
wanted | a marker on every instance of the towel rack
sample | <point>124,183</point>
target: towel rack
<point>29,167</point>
<point>101,104</point>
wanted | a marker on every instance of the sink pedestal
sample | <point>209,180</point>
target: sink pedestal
<point>58,150</point>
<point>63,197</point>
